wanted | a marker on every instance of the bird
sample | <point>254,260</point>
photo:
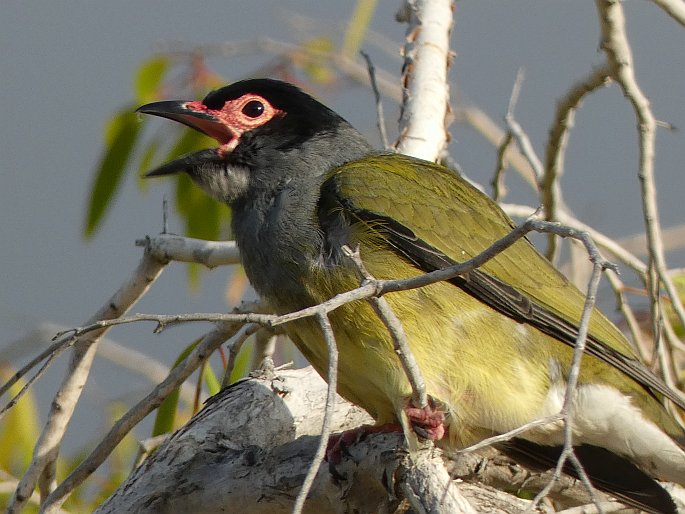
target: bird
<point>494,346</point>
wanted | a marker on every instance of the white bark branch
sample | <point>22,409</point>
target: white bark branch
<point>674,8</point>
<point>170,247</point>
<point>617,48</point>
<point>248,449</point>
<point>423,131</point>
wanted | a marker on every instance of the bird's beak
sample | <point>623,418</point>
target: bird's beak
<point>196,116</point>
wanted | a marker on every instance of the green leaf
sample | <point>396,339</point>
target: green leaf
<point>679,283</point>
<point>318,66</point>
<point>146,160</point>
<point>121,136</point>
<point>203,215</point>
<point>148,78</point>
<point>242,361</point>
<point>18,430</point>
<point>211,381</point>
<point>166,413</point>
<point>357,27</point>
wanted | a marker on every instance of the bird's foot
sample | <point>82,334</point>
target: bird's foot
<point>338,443</point>
<point>428,422</point>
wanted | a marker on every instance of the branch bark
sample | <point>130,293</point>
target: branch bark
<point>425,102</point>
<point>215,464</point>
<point>249,449</point>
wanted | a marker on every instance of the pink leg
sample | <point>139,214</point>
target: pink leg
<point>429,422</point>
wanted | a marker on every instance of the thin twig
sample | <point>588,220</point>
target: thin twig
<point>507,436</point>
<point>380,116</point>
<point>617,48</point>
<point>499,188</point>
<point>31,380</point>
<point>603,241</point>
<point>332,348</point>
<point>636,335</point>
<point>550,186</point>
<point>517,131</point>
<point>365,291</point>
<point>598,266</point>
<point>52,351</point>
<point>399,337</point>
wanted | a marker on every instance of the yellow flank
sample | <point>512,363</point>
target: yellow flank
<point>448,344</point>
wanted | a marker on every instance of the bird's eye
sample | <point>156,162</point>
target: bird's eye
<point>253,109</point>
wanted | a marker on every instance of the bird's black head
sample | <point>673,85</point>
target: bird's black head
<point>268,131</point>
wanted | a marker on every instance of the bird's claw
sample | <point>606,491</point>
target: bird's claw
<point>428,422</point>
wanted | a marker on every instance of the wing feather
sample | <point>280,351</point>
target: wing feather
<point>519,283</point>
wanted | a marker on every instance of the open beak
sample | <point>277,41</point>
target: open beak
<point>196,116</point>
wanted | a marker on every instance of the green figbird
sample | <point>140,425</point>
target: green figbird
<point>494,346</point>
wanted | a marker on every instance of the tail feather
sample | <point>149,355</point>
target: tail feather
<point>607,471</point>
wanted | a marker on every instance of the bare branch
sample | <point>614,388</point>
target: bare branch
<point>42,467</point>
<point>332,380</point>
<point>572,383</point>
<point>397,333</point>
<point>499,188</point>
<point>169,247</point>
<point>123,426</point>
<point>425,91</point>
<point>519,134</point>
<point>380,117</point>
<point>674,8</point>
<point>550,185</point>
<point>486,126</point>
<point>607,244</point>
<point>615,44</point>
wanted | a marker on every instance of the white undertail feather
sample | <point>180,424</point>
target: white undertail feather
<point>605,417</point>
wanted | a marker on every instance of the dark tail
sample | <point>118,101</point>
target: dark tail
<point>607,472</point>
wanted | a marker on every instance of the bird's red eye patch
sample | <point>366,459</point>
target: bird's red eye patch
<point>248,112</point>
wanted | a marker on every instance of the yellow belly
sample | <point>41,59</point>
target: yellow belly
<point>445,330</point>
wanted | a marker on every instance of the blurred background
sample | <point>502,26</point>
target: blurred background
<point>67,67</point>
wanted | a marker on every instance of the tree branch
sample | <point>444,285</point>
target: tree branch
<point>42,467</point>
<point>617,48</point>
<point>123,426</point>
<point>425,91</point>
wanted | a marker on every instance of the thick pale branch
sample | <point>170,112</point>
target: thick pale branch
<point>209,343</point>
<point>426,94</point>
<point>169,247</point>
<point>674,8</point>
<point>214,461</point>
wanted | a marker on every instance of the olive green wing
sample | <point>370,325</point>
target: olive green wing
<point>435,219</point>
